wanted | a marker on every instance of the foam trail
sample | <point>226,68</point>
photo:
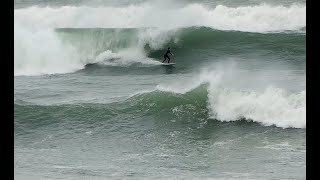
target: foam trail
<point>125,57</point>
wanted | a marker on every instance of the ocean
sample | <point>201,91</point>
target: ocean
<point>93,101</point>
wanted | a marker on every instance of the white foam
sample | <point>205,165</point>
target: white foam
<point>270,106</point>
<point>125,57</point>
<point>41,52</point>
<point>273,107</point>
<point>259,18</point>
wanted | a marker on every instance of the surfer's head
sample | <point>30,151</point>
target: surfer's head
<point>168,47</point>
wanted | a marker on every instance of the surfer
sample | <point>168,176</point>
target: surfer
<point>166,55</point>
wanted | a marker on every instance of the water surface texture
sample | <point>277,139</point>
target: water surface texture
<point>92,100</point>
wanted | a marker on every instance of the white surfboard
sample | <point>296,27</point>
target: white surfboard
<point>168,64</point>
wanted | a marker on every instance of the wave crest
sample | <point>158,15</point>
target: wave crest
<point>39,50</point>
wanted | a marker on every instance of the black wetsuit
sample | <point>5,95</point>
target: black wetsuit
<point>166,56</point>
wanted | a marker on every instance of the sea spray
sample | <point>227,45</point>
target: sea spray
<point>270,106</point>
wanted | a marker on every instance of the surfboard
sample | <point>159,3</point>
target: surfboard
<point>90,64</point>
<point>168,64</point>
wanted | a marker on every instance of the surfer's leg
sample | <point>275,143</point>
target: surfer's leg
<point>164,58</point>
<point>168,59</point>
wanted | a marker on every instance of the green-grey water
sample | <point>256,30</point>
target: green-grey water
<point>93,101</point>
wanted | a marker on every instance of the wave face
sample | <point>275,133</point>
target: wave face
<point>65,39</point>
<point>269,106</point>
<point>273,107</point>
<point>99,39</point>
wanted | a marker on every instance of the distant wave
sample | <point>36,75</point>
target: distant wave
<point>258,18</point>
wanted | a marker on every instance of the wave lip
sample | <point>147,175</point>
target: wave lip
<point>273,107</point>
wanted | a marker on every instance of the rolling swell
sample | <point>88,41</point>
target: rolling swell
<point>162,106</point>
<point>156,101</point>
<point>132,45</point>
<point>199,104</point>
